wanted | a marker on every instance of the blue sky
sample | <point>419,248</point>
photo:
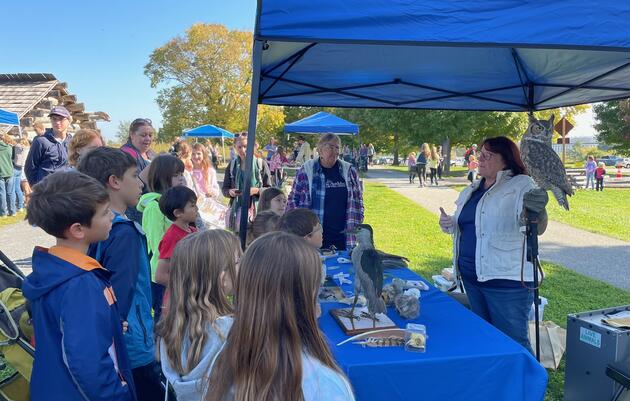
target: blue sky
<point>100,48</point>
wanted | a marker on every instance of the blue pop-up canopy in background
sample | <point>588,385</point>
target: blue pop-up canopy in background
<point>322,123</point>
<point>9,118</point>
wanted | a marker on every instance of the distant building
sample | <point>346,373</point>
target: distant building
<point>32,96</point>
<point>584,141</point>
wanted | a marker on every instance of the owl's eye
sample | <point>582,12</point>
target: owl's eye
<point>537,128</point>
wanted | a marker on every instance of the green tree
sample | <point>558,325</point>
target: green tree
<point>122,132</point>
<point>204,77</point>
<point>613,124</point>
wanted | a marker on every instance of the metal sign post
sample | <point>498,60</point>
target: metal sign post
<point>563,127</point>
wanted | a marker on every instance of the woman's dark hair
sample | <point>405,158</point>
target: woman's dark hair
<point>298,221</point>
<point>264,203</point>
<point>161,172</point>
<point>508,151</point>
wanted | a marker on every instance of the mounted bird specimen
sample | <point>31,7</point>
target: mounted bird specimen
<point>369,265</point>
<point>542,162</point>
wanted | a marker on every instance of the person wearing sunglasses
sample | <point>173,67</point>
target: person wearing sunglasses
<point>488,242</point>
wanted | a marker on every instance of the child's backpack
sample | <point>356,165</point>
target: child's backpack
<point>16,332</point>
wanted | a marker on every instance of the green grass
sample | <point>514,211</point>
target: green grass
<point>404,228</point>
<point>5,221</point>
<point>606,212</point>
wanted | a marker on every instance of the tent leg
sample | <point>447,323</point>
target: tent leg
<point>223,147</point>
<point>251,138</point>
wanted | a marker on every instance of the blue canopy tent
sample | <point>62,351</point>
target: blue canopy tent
<point>505,55</point>
<point>322,123</point>
<point>9,118</point>
<point>210,131</point>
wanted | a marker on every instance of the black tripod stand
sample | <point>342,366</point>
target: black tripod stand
<point>532,252</point>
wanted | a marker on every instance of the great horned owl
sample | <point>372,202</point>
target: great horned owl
<point>543,164</point>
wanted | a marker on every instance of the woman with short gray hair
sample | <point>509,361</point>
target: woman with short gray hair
<point>330,187</point>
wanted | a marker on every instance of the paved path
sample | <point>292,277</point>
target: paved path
<point>17,242</point>
<point>594,255</point>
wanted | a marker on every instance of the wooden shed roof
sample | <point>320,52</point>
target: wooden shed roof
<point>19,93</point>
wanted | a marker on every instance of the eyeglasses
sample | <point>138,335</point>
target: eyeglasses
<point>485,156</point>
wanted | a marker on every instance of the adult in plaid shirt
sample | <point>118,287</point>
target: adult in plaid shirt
<point>331,188</point>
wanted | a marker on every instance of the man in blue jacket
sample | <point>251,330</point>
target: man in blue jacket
<point>49,152</point>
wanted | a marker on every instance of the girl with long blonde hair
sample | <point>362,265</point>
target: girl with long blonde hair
<point>421,163</point>
<point>204,268</point>
<point>275,350</point>
<point>434,160</point>
<point>204,175</point>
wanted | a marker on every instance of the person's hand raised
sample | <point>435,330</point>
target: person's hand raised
<point>446,222</point>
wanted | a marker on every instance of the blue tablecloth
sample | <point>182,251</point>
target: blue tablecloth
<point>466,358</point>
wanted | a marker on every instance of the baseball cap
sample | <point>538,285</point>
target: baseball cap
<point>59,111</point>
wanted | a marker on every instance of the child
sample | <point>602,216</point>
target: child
<point>303,223</point>
<point>165,171</point>
<point>125,254</point>
<point>275,327</point>
<point>80,351</point>
<point>472,168</point>
<point>589,169</point>
<point>275,167</point>
<point>273,199</point>
<point>179,205</point>
<point>204,176</point>
<point>600,173</point>
<point>434,160</point>
<point>20,152</point>
<point>421,163</point>
<point>204,273</point>
<point>411,165</point>
<point>264,222</point>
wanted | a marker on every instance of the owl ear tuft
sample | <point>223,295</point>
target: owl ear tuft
<point>551,119</point>
<point>532,119</point>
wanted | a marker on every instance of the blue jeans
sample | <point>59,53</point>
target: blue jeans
<point>507,309</point>
<point>17,180</point>
<point>590,179</point>
<point>7,195</point>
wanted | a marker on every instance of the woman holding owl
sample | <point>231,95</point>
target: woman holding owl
<point>488,242</point>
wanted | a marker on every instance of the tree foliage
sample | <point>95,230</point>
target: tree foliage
<point>613,124</point>
<point>204,77</point>
<point>122,131</point>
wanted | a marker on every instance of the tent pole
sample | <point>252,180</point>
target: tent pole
<point>223,147</point>
<point>251,139</point>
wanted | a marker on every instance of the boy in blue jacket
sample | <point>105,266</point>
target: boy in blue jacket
<point>125,254</point>
<point>79,348</point>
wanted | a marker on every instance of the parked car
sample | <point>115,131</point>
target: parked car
<point>611,160</point>
<point>626,162</point>
<point>384,160</point>
<point>458,161</point>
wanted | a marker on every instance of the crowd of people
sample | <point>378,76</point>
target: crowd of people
<point>143,287</point>
<point>138,289</point>
<point>430,156</point>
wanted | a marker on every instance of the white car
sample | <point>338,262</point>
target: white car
<point>626,162</point>
<point>458,161</point>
